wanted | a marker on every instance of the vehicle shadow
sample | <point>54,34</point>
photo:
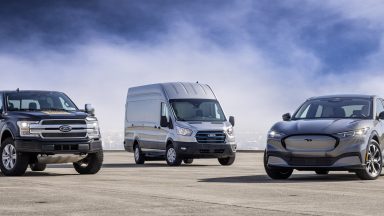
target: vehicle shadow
<point>40,174</point>
<point>127,165</point>
<point>293,179</point>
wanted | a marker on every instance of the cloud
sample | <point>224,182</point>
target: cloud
<point>261,59</point>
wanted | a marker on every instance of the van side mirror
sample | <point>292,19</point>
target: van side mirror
<point>381,116</point>
<point>232,120</point>
<point>89,109</point>
<point>164,121</point>
<point>287,117</point>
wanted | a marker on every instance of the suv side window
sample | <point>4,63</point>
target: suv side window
<point>379,106</point>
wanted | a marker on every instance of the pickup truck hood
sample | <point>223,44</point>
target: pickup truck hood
<point>40,115</point>
<point>320,126</point>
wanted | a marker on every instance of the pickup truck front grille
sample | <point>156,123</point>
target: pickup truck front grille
<point>61,129</point>
<point>210,137</point>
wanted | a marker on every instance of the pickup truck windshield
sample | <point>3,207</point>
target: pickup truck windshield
<point>340,108</point>
<point>39,101</point>
<point>197,110</point>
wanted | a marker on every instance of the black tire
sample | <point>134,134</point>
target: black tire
<point>366,174</point>
<point>228,161</point>
<point>188,161</point>
<point>172,157</point>
<point>276,173</point>
<point>20,161</point>
<point>90,164</point>
<point>138,155</point>
<point>321,172</point>
<point>37,167</point>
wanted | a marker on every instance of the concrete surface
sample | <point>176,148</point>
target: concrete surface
<point>204,188</point>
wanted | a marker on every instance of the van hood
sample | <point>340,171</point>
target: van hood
<point>320,126</point>
<point>205,126</point>
<point>40,115</point>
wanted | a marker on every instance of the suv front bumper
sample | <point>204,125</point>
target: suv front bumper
<point>206,150</point>
<point>58,147</point>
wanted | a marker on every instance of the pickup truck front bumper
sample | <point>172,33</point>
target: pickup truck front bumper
<point>58,147</point>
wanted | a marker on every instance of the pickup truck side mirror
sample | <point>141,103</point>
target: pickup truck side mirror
<point>164,121</point>
<point>287,117</point>
<point>381,116</point>
<point>89,109</point>
<point>232,120</point>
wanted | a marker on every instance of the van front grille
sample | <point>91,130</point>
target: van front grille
<point>210,137</point>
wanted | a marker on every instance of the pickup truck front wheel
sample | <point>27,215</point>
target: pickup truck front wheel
<point>90,164</point>
<point>12,163</point>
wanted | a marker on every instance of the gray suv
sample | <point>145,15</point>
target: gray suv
<point>329,133</point>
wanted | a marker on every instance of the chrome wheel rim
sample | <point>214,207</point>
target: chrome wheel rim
<point>9,157</point>
<point>171,155</point>
<point>137,153</point>
<point>374,161</point>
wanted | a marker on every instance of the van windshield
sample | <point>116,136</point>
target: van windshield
<point>39,101</point>
<point>340,108</point>
<point>197,110</point>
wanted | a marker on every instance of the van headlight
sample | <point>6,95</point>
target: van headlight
<point>25,128</point>
<point>183,131</point>
<point>93,130</point>
<point>230,132</point>
<point>274,134</point>
<point>358,132</point>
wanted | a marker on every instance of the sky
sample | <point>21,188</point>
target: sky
<point>262,58</point>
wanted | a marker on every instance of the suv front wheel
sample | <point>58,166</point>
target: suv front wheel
<point>12,163</point>
<point>373,162</point>
<point>276,173</point>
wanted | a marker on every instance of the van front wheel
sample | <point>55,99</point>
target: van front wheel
<point>172,157</point>
<point>227,161</point>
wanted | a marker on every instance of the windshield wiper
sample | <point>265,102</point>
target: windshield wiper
<point>54,109</point>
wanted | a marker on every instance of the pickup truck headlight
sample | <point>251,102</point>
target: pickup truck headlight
<point>93,130</point>
<point>183,131</point>
<point>25,128</point>
<point>358,132</point>
<point>275,135</point>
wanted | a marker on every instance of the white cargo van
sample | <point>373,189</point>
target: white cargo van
<point>178,122</point>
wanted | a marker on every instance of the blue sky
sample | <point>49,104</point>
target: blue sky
<point>263,58</point>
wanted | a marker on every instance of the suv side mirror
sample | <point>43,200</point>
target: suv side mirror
<point>287,117</point>
<point>232,120</point>
<point>164,121</point>
<point>89,109</point>
<point>381,116</point>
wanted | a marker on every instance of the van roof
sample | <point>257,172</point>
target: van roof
<point>175,90</point>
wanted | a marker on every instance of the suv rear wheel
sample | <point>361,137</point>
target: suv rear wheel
<point>373,162</point>
<point>276,173</point>
<point>90,164</point>
<point>12,163</point>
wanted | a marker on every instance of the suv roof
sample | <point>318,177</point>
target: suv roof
<point>343,96</point>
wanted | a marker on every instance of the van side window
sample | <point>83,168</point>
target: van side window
<point>1,102</point>
<point>164,110</point>
<point>379,107</point>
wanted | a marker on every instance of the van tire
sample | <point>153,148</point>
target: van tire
<point>172,157</point>
<point>90,164</point>
<point>138,155</point>
<point>37,167</point>
<point>276,173</point>
<point>21,160</point>
<point>188,160</point>
<point>228,161</point>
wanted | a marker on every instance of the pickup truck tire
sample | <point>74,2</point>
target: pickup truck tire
<point>37,167</point>
<point>227,161</point>
<point>90,164</point>
<point>12,163</point>
<point>188,160</point>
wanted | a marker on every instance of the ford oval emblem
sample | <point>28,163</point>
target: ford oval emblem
<point>65,128</point>
<point>308,140</point>
<point>211,135</point>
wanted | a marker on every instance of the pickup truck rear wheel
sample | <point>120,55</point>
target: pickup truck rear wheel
<point>227,161</point>
<point>90,164</point>
<point>37,167</point>
<point>188,160</point>
<point>12,163</point>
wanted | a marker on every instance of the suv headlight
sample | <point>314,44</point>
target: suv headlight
<point>93,130</point>
<point>25,128</point>
<point>274,134</point>
<point>183,131</point>
<point>358,132</point>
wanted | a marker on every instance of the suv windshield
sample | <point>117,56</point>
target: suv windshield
<point>39,101</point>
<point>197,110</point>
<point>360,108</point>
